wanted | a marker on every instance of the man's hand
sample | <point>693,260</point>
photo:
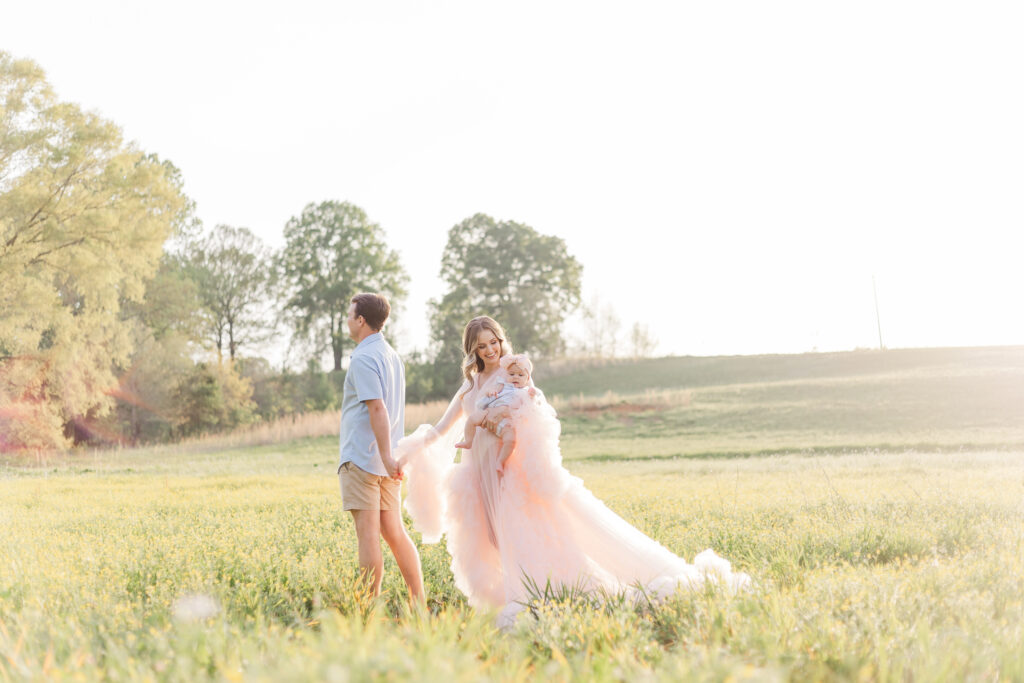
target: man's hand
<point>494,416</point>
<point>394,468</point>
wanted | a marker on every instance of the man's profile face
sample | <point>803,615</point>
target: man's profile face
<point>354,322</point>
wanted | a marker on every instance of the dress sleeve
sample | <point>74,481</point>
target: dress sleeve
<point>428,454</point>
<point>454,411</point>
<point>428,458</point>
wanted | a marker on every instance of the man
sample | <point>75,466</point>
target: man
<point>372,421</point>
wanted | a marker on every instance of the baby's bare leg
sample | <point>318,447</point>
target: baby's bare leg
<point>475,419</point>
<point>508,444</point>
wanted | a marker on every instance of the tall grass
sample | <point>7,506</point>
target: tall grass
<point>873,566</point>
<point>881,515</point>
<point>310,425</point>
<point>302,426</point>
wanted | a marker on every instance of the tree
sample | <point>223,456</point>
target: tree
<point>212,398</point>
<point>146,390</point>
<point>272,391</point>
<point>165,326</point>
<point>332,252</point>
<point>642,341</point>
<point>526,281</point>
<point>83,216</point>
<point>601,326</point>
<point>317,391</point>
<point>232,271</point>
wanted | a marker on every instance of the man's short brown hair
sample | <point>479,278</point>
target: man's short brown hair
<point>374,308</point>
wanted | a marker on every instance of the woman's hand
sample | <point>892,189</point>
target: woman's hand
<point>394,467</point>
<point>494,417</point>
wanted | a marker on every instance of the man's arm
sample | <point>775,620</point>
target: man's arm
<point>380,423</point>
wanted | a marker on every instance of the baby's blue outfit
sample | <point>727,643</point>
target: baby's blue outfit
<point>505,397</point>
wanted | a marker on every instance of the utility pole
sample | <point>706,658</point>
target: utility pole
<point>878,318</point>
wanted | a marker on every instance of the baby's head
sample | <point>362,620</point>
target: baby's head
<point>519,369</point>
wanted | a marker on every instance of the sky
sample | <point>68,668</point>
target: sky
<point>734,175</point>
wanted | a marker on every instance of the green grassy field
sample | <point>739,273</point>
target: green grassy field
<point>876,498</point>
<point>927,399</point>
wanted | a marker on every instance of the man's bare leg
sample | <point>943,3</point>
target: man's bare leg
<point>404,550</point>
<point>371,561</point>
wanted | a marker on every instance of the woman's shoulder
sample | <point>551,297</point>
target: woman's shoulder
<point>467,386</point>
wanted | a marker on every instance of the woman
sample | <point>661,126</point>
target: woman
<point>536,523</point>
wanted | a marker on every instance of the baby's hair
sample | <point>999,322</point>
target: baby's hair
<point>520,359</point>
<point>509,368</point>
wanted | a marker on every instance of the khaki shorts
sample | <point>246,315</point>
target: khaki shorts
<point>361,490</point>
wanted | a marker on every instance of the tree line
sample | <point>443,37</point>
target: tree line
<point>123,319</point>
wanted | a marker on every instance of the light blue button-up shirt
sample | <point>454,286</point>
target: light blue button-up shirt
<point>374,371</point>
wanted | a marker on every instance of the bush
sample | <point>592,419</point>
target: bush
<point>212,398</point>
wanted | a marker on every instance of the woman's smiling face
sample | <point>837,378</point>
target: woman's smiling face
<point>488,349</point>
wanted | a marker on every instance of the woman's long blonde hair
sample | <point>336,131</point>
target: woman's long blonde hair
<point>472,363</point>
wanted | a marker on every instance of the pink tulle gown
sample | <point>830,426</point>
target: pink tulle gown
<point>537,522</point>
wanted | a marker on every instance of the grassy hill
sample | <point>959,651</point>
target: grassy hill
<point>744,405</point>
<point>673,372</point>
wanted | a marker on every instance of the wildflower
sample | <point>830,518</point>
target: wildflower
<point>192,608</point>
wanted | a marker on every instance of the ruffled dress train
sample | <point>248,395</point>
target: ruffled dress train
<point>537,524</point>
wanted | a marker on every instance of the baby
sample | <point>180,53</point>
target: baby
<point>511,394</point>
